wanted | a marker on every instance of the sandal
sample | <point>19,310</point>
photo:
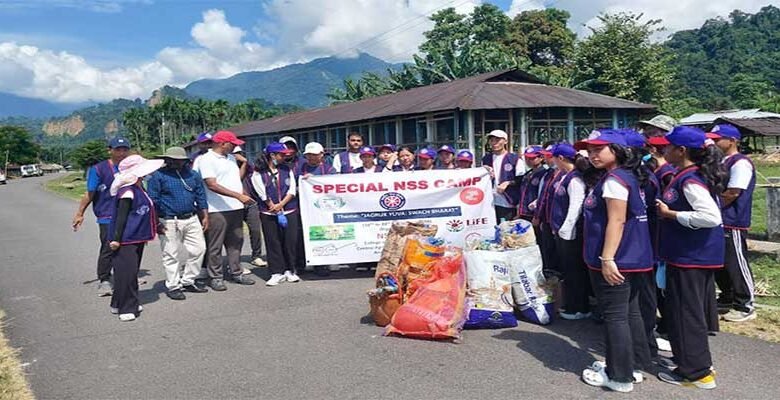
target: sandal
<point>600,379</point>
<point>601,365</point>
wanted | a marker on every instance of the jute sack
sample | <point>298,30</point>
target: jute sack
<point>395,243</point>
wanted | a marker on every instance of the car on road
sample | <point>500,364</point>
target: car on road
<point>2,177</point>
<point>31,170</point>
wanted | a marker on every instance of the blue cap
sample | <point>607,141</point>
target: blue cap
<point>727,131</point>
<point>388,146</point>
<point>446,148</point>
<point>687,136</point>
<point>367,150</point>
<point>426,152</point>
<point>533,151</point>
<point>633,138</point>
<point>119,142</point>
<point>564,150</point>
<point>276,147</point>
<point>204,137</point>
<point>465,155</point>
<point>602,137</point>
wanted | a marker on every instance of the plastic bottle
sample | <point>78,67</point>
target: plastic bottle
<point>281,219</point>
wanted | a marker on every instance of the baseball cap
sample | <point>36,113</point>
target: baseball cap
<point>533,151</point>
<point>633,138</point>
<point>727,131</point>
<point>204,137</point>
<point>602,137</point>
<point>276,147</point>
<point>687,136</point>
<point>498,133</point>
<point>465,155</point>
<point>367,150</point>
<point>388,146</point>
<point>565,150</point>
<point>313,148</point>
<point>663,122</point>
<point>426,153</point>
<point>118,142</point>
<point>446,148</point>
<point>227,137</point>
<point>288,139</point>
<point>237,149</point>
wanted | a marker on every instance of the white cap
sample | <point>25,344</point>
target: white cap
<point>313,148</point>
<point>499,134</point>
<point>285,139</point>
<point>238,149</point>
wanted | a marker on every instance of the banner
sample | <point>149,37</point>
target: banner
<point>346,217</point>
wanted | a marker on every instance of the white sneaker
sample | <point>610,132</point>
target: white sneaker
<point>245,270</point>
<point>291,277</point>
<point>115,310</point>
<point>574,317</point>
<point>105,289</point>
<point>275,280</point>
<point>259,262</point>
<point>663,344</point>
<point>126,317</point>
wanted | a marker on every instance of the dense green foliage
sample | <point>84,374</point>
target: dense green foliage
<point>18,144</point>
<point>89,153</point>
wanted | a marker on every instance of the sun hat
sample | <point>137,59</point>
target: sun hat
<point>227,137</point>
<point>498,133</point>
<point>662,122</point>
<point>204,137</point>
<point>313,148</point>
<point>602,137</point>
<point>276,147</point>
<point>465,155</point>
<point>175,153</point>
<point>118,142</point>
<point>131,169</point>
<point>685,136</point>
<point>726,131</point>
<point>365,150</point>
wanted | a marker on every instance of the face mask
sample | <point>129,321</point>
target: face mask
<point>647,157</point>
<point>275,162</point>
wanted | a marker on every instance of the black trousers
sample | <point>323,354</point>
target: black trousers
<point>736,280</point>
<point>505,213</point>
<point>281,244</point>
<point>575,275</point>
<point>546,241</point>
<point>126,262</point>
<point>252,219</point>
<point>648,306</point>
<point>686,305</point>
<point>104,256</point>
<point>626,342</point>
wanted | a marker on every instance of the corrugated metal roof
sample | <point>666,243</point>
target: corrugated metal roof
<point>755,126</point>
<point>495,90</point>
<point>710,117</point>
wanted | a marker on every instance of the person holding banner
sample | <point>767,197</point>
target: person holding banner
<point>426,158</point>
<point>346,161</point>
<point>386,156</point>
<point>503,169</point>
<point>465,159</point>
<point>275,185</point>
<point>369,164</point>
<point>315,163</point>
<point>446,157</point>
<point>402,160</point>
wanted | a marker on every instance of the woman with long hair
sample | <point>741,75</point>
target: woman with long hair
<point>618,253</point>
<point>691,242</point>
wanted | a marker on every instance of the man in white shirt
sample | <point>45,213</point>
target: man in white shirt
<point>226,199</point>
<point>346,161</point>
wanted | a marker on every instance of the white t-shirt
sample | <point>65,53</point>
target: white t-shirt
<point>354,161</point>
<point>225,170</point>
<point>740,174</point>
<point>576,192</point>
<point>614,189</point>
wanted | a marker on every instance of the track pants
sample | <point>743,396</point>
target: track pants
<point>736,280</point>
<point>126,262</point>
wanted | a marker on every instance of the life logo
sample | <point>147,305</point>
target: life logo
<point>670,195</point>
<point>455,225</point>
<point>392,201</point>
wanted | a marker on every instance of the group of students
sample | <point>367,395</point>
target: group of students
<point>646,222</point>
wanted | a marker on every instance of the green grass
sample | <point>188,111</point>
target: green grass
<point>73,185</point>
<point>766,272</point>
<point>758,223</point>
<point>13,384</point>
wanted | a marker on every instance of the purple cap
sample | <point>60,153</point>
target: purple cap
<point>602,137</point>
<point>204,137</point>
<point>446,148</point>
<point>633,138</point>
<point>727,131</point>
<point>686,136</point>
<point>564,150</point>
<point>388,146</point>
<point>367,150</point>
<point>533,151</point>
<point>118,142</point>
<point>426,152</point>
<point>276,147</point>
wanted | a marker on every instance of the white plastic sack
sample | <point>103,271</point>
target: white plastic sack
<point>532,296</point>
<point>489,290</point>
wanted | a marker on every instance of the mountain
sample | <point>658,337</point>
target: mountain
<point>12,105</point>
<point>302,84</point>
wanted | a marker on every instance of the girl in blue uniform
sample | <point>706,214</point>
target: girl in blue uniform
<point>133,223</point>
<point>618,253</point>
<point>691,243</point>
<point>369,163</point>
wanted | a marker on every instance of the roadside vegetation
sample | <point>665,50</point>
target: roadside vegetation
<point>71,185</point>
<point>13,384</point>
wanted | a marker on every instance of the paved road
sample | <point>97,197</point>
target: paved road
<point>305,340</point>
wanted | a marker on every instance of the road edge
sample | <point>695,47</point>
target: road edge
<point>13,381</point>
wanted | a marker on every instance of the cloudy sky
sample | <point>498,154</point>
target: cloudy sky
<point>97,50</point>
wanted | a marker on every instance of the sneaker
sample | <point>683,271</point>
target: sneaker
<point>217,285</point>
<point>194,288</point>
<point>599,378</point>
<point>126,317</point>
<point>574,317</point>
<point>141,281</point>
<point>739,316</point>
<point>275,280</point>
<point>663,344</point>
<point>115,310</point>
<point>667,363</point>
<point>105,289</point>
<point>245,271</point>
<point>601,365</point>
<point>242,280</point>
<point>259,262</point>
<point>707,382</point>
<point>176,294</point>
<point>291,277</point>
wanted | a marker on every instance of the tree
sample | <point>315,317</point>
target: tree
<point>542,36</point>
<point>89,154</point>
<point>748,91</point>
<point>620,60</point>
<point>19,145</point>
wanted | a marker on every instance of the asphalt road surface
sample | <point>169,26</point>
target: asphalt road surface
<point>293,341</point>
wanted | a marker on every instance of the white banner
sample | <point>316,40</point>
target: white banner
<point>346,217</point>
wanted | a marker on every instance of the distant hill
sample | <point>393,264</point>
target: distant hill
<point>12,105</point>
<point>302,84</point>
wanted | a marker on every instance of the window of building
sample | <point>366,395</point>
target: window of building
<point>547,125</point>
<point>414,132</point>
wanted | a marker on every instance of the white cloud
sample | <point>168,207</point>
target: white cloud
<point>519,6</point>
